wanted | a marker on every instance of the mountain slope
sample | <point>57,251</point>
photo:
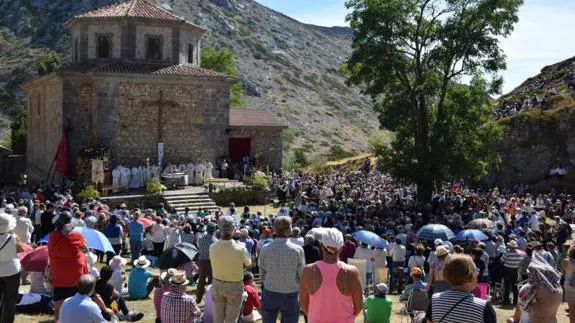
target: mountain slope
<point>288,67</point>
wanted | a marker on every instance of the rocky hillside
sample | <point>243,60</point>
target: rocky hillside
<point>541,137</point>
<point>288,67</point>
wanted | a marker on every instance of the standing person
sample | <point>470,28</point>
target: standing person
<point>363,252</point>
<point>159,235</point>
<point>281,263</point>
<point>511,260</point>
<point>398,253</point>
<point>66,256</point>
<point>136,231</point>
<point>349,247</point>
<point>24,226</point>
<point>310,250</point>
<point>229,260</point>
<point>204,264</point>
<point>114,232</point>
<point>436,282</point>
<point>9,269</point>
<point>38,222</point>
<point>46,225</point>
<point>458,304</point>
<point>80,307</point>
<point>330,290</point>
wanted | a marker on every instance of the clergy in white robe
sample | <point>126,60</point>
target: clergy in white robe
<point>116,173</point>
<point>199,173</point>
<point>191,171</point>
<point>124,178</point>
<point>182,168</point>
<point>209,168</point>
<point>135,179</point>
<point>143,179</point>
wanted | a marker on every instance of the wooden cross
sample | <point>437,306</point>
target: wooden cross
<point>160,104</point>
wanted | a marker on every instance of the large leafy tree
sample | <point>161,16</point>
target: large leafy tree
<point>410,57</point>
<point>224,61</point>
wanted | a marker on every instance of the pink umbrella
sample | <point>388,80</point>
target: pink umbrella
<point>146,222</point>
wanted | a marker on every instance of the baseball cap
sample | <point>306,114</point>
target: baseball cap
<point>332,239</point>
<point>382,288</point>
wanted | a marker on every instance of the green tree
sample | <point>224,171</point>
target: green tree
<point>18,132</point>
<point>300,158</point>
<point>409,56</point>
<point>224,61</point>
<point>50,63</point>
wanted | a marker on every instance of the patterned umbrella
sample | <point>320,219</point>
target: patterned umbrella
<point>435,231</point>
<point>481,224</point>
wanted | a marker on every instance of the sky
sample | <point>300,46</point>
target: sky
<point>543,35</point>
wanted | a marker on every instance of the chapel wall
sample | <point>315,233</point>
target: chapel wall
<point>266,144</point>
<point>78,108</point>
<point>45,127</point>
<point>193,124</point>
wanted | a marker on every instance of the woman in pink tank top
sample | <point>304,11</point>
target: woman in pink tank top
<point>330,290</point>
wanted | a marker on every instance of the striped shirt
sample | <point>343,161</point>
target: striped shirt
<point>456,306</point>
<point>511,259</point>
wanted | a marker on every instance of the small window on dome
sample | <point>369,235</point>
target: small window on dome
<point>104,46</point>
<point>190,54</point>
<point>154,48</point>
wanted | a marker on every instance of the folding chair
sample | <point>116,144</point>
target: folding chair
<point>417,302</point>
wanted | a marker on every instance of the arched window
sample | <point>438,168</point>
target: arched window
<point>104,46</point>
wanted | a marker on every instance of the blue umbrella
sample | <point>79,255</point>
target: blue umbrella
<point>435,231</point>
<point>471,235</point>
<point>370,238</point>
<point>94,239</point>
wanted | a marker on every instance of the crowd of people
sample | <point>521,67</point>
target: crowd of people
<point>306,255</point>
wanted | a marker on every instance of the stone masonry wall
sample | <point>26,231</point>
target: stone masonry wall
<point>266,144</point>
<point>45,127</point>
<point>193,123</point>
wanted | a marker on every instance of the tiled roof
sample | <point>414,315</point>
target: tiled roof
<point>133,9</point>
<point>254,118</point>
<point>148,69</point>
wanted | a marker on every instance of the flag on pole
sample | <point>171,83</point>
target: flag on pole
<point>61,158</point>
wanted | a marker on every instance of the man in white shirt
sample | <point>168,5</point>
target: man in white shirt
<point>24,226</point>
<point>363,252</point>
<point>397,254</point>
<point>295,237</point>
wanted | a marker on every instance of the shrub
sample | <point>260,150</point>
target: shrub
<point>89,192</point>
<point>258,181</point>
<point>300,159</point>
<point>154,186</point>
<point>379,142</point>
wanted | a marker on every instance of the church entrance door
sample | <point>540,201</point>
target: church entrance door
<point>239,148</point>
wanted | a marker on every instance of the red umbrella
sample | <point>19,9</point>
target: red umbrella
<point>35,261</point>
<point>26,249</point>
<point>146,222</point>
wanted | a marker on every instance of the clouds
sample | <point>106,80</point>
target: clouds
<point>543,36</point>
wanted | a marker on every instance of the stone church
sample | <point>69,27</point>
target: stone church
<point>135,86</point>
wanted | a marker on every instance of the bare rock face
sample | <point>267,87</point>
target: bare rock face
<point>290,68</point>
<point>534,143</point>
